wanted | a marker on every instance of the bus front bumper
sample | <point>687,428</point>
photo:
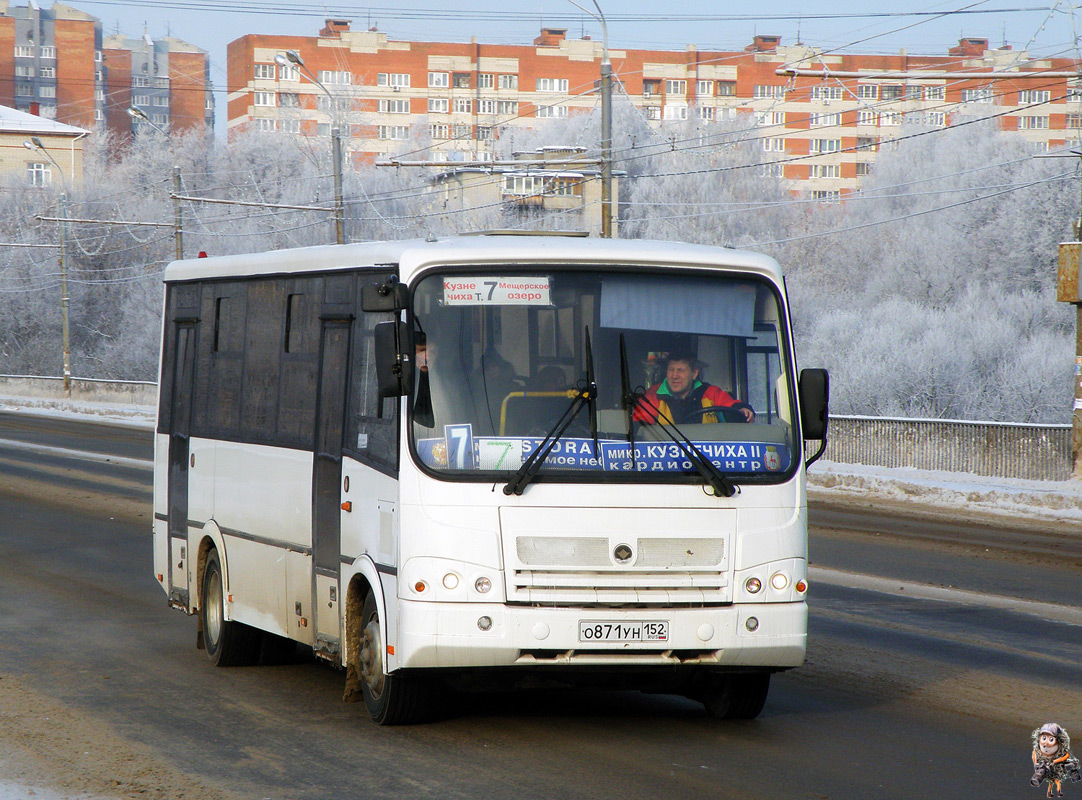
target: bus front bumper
<point>488,635</point>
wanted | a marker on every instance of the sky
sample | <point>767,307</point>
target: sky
<point>1043,27</point>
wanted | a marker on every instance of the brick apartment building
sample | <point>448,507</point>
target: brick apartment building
<point>820,124</point>
<point>56,64</point>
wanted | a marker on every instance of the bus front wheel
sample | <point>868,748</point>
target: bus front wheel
<point>735,696</point>
<point>228,643</point>
<point>390,699</point>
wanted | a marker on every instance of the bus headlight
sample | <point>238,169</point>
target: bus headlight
<point>450,581</point>
<point>779,580</point>
<point>482,585</point>
<point>753,585</point>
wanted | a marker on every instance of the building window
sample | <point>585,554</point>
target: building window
<point>706,114</point>
<point>913,92</point>
<point>46,91</point>
<point>552,112</point>
<point>509,81</point>
<point>161,100</point>
<point>676,87</point>
<point>508,108</point>
<point>486,134</point>
<point>1032,96</point>
<point>772,169</point>
<point>867,118</point>
<point>936,118</point>
<point>47,72</point>
<point>290,125</point>
<point>48,52</point>
<point>1032,123</point>
<point>99,115</point>
<point>140,82</point>
<point>763,92</point>
<point>523,185</point>
<point>461,80</point>
<point>397,80</point>
<point>774,145</point>
<point>140,100</point>
<point>439,131</point>
<point>392,132</point>
<point>821,120</point>
<point>264,99</point>
<point>651,88</point>
<point>160,119</point>
<point>97,56</point>
<point>24,51</point>
<point>38,174</point>
<point>462,131</point>
<point>868,91</point>
<point>891,91</point>
<point>977,96</point>
<point>826,171</point>
<point>99,76</point>
<point>99,95</point>
<point>331,77</point>
<point>675,113</point>
<point>289,100</point>
<point>438,105</point>
<point>704,88</point>
<point>1074,91</point>
<point>770,118</point>
<point>864,168</point>
<point>725,88</point>
<point>439,80</point>
<point>486,80</point>
<point>486,106</point>
<point>24,90</point>
<point>266,125</point>
<point>867,143</point>
<point>934,93</point>
<point>1074,121</point>
<point>161,83</point>
<point>826,145</point>
<point>289,72</point>
<point>827,196</point>
<point>653,112</point>
<point>463,105</point>
<point>890,118</point>
<point>826,93</point>
<point>24,71</point>
<point>394,106</point>
<point>552,85</point>
<point>264,72</point>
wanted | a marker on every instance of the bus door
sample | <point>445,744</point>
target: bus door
<point>327,482</point>
<point>179,435</point>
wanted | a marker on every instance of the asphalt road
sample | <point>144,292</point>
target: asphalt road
<point>900,698</point>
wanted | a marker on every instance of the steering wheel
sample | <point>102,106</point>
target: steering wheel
<point>725,412</point>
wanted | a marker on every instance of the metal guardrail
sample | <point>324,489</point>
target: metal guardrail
<point>997,449</point>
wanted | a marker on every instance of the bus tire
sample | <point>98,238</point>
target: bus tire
<point>736,696</point>
<point>393,699</point>
<point>228,643</point>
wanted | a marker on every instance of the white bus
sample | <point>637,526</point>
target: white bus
<point>489,457</point>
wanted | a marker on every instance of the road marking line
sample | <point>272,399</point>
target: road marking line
<point>81,455</point>
<point>924,591</point>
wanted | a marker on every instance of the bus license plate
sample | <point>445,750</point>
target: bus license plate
<point>640,631</point>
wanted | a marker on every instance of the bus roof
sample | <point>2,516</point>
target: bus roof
<point>410,256</point>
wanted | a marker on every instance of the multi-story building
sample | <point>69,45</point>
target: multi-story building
<point>167,79</point>
<point>820,116</point>
<point>55,63</point>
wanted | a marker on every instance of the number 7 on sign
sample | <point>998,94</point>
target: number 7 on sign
<point>459,446</point>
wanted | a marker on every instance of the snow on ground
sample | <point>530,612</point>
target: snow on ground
<point>942,492</point>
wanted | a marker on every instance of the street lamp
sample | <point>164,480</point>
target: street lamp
<point>178,231</point>
<point>34,143</point>
<point>293,58</point>
<point>606,121</point>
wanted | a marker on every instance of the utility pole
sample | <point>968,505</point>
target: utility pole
<point>606,121</point>
<point>178,219</point>
<point>1068,290</point>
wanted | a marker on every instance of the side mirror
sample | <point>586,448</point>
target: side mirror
<point>814,399</point>
<point>389,296</point>
<point>394,359</point>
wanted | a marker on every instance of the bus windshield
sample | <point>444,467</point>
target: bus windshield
<point>680,360</point>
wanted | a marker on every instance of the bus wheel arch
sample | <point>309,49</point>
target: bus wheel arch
<point>360,587</point>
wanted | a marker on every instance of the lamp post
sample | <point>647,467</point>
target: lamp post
<point>34,143</point>
<point>606,121</point>
<point>293,58</point>
<point>178,217</point>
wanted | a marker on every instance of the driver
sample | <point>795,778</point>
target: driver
<point>681,393</point>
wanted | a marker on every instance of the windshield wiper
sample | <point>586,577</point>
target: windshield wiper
<point>584,396</point>
<point>714,477</point>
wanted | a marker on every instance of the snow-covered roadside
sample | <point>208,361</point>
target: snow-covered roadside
<point>943,492</point>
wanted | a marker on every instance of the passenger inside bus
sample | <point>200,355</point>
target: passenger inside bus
<point>682,398</point>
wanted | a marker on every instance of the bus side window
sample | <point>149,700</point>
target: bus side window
<point>372,437</point>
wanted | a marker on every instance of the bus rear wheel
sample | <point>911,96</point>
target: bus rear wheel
<point>735,696</point>
<point>228,643</point>
<point>390,699</point>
